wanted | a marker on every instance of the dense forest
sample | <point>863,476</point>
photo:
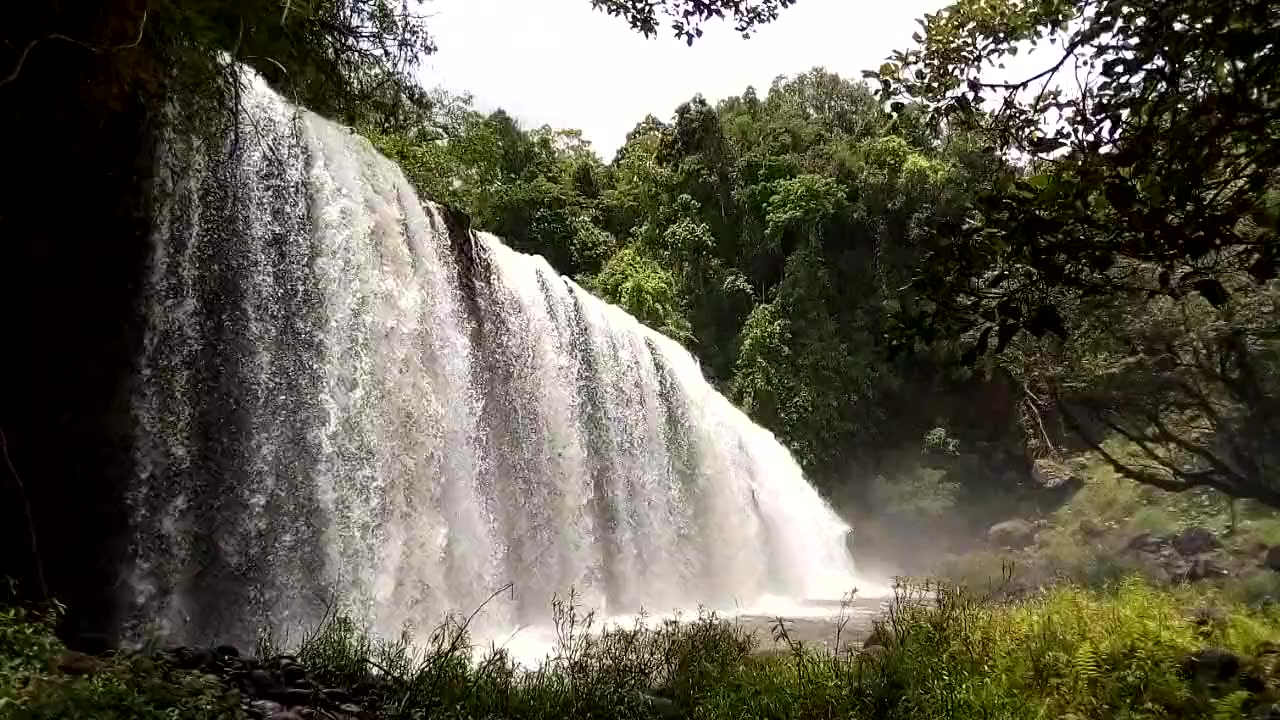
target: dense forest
<point>957,297</point>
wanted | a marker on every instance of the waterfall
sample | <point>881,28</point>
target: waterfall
<point>345,396</point>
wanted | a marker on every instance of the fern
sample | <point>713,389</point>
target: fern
<point>1231,707</point>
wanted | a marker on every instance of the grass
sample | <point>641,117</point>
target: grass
<point>1067,653</point>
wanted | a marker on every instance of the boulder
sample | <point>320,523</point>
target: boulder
<point>337,696</point>
<point>1052,475</point>
<point>294,697</point>
<point>1272,558</point>
<point>262,683</point>
<point>190,658</point>
<point>264,708</point>
<point>293,674</point>
<point>662,707</point>
<point>1147,542</point>
<point>78,663</point>
<point>1013,534</point>
<point>1205,568</point>
<point>1195,540</point>
<point>1211,665</point>
<point>1266,711</point>
<point>226,652</point>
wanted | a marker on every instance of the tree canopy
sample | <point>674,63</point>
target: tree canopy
<point>1146,143</point>
<point>686,17</point>
<point>1134,233</point>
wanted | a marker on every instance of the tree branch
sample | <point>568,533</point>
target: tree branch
<point>22,57</point>
<point>31,521</point>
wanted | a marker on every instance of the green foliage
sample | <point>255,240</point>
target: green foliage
<point>351,59</point>
<point>645,289</point>
<point>127,686</point>
<point>687,16</point>
<point>945,653</point>
<point>924,494</point>
<point>27,642</point>
<point>1149,134</point>
<point>1069,653</point>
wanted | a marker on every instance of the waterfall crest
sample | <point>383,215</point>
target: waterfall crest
<point>344,396</point>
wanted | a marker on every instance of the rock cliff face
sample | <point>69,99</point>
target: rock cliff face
<point>72,250</point>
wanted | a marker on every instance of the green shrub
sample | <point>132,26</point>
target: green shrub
<point>123,687</point>
<point>1068,652</point>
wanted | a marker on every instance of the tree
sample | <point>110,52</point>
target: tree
<point>1192,391</point>
<point>350,59</point>
<point>687,16</point>
<point>1148,138</point>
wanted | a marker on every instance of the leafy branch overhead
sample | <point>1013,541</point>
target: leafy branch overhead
<point>1144,142</point>
<point>686,17</point>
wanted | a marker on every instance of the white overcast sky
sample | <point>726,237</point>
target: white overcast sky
<point>560,63</point>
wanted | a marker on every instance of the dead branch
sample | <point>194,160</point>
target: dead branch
<point>22,57</point>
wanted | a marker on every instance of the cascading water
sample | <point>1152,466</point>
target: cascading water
<point>346,396</point>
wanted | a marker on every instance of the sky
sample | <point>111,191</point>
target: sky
<point>560,63</point>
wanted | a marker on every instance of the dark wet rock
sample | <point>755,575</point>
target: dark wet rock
<point>351,709</point>
<point>365,688</point>
<point>262,682</point>
<point>1272,558</point>
<point>1206,568</point>
<point>286,715</point>
<point>1254,682</point>
<point>264,708</point>
<point>1211,665</point>
<point>663,707</point>
<point>226,652</point>
<point>1266,711</point>
<point>1147,542</point>
<point>337,695</point>
<point>190,658</point>
<point>293,674</point>
<point>293,697</point>
<point>1195,541</point>
<point>78,663</point>
<point>1013,534</point>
